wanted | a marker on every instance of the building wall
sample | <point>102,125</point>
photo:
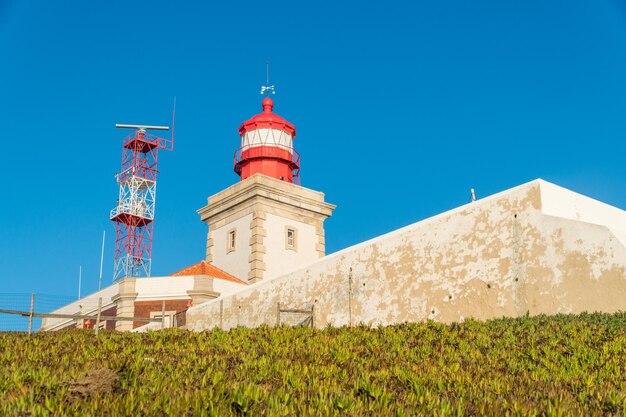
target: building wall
<point>561,202</point>
<point>86,305</point>
<point>235,262</point>
<point>163,287</point>
<point>132,296</point>
<point>499,256</point>
<point>145,308</point>
<point>224,287</point>
<point>110,312</point>
<point>278,258</point>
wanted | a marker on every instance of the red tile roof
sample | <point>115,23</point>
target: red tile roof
<point>204,268</point>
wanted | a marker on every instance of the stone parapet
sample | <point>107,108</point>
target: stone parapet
<point>271,190</point>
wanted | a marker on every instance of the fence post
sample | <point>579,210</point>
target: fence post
<point>222,314</point>
<point>350,297</point>
<point>163,315</point>
<point>98,315</point>
<point>278,314</point>
<point>313,316</point>
<point>30,316</point>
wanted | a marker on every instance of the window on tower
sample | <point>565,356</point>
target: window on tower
<point>291,238</point>
<point>231,244</point>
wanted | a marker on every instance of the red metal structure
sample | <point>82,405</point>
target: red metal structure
<point>267,146</point>
<point>133,216</point>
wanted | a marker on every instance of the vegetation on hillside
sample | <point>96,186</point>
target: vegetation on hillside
<point>554,366</point>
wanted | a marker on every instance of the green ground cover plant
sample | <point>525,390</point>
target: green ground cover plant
<point>564,365</point>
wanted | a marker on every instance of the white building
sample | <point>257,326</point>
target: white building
<point>537,248</point>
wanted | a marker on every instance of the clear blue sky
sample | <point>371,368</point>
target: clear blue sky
<point>401,108</point>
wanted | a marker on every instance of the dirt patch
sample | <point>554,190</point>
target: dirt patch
<point>103,381</point>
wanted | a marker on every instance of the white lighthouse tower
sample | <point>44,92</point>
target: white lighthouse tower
<point>266,224</point>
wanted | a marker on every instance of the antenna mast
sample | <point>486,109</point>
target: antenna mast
<point>104,233</point>
<point>80,279</point>
<point>173,122</point>
<point>267,89</point>
<point>133,216</point>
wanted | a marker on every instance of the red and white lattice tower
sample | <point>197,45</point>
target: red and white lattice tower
<point>133,216</point>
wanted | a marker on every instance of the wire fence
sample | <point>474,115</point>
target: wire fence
<point>23,312</point>
<point>61,312</point>
<point>44,303</point>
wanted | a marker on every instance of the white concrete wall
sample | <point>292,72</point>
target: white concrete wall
<point>85,305</point>
<point>225,287</point>
<point>235,262</point>
<point>163,288</point>
<point>499,256</point>
<point>561,202</point>
<point>280,260</point>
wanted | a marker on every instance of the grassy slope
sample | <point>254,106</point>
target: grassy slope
<point>562,365</point>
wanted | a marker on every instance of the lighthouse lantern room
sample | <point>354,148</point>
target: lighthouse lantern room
<point>267,146</point>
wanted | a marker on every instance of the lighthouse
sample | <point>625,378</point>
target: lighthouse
<point>267,223</point>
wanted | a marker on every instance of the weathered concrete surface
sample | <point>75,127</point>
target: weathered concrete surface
<point>500,256</point>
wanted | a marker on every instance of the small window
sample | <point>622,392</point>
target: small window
<point>291,238</point>
<point>169,317</point>
<point>232,240</point>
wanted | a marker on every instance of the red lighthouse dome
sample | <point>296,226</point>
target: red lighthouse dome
<point>267,146</point>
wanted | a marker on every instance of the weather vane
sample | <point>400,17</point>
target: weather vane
<point>267,89</point>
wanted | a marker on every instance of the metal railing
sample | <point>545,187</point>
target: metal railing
<point>139,210</point>
<point>257,151</point>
